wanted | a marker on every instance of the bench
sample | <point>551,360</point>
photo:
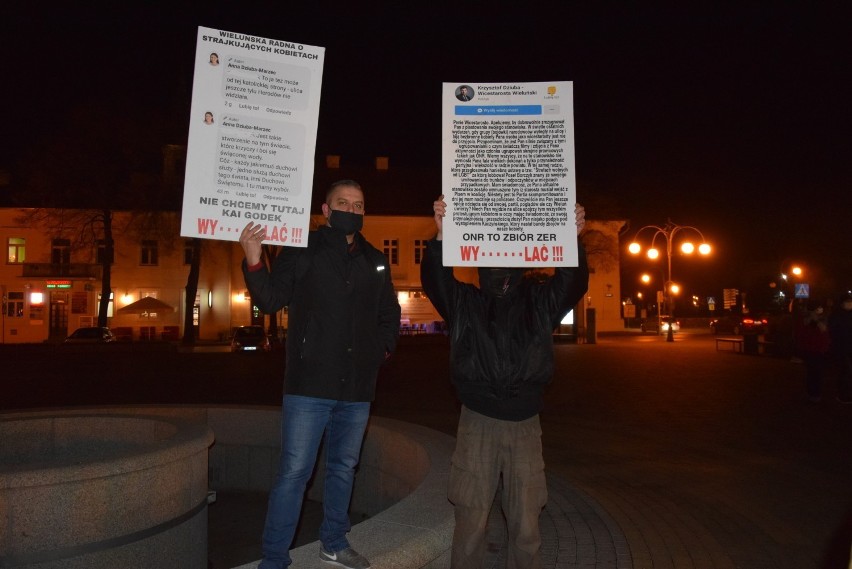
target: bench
<point>738,344</point>
<point>735,343</point>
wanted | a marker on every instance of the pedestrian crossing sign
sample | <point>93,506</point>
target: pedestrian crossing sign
<point>802,290</point>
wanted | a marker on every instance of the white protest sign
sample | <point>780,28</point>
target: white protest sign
<point>508,175</point>
<point>252,137</point>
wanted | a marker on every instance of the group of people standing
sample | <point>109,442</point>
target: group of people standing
<point>343,324</point>
<point>823,335</point>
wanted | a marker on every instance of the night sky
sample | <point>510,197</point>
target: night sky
<point>736,120</point>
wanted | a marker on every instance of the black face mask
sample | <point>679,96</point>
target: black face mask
<point>499,282</point>
<point>344,221</point>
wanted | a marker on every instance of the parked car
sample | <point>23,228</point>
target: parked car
<point>739,324</point>
<point>651,324</point>
<point>91,335</point>
<point>250,339</point>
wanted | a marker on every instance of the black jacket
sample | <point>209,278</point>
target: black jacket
<point>502,348</point>
<point>343,314</point>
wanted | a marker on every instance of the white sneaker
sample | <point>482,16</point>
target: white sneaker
<point>347,558</point>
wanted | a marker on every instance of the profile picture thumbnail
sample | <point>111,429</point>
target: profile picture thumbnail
<point>464,93</point>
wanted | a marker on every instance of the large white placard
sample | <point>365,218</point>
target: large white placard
<point>252,137</point>
<point>508,174</point>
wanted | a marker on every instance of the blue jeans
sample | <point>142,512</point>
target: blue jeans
<point>305,420</point>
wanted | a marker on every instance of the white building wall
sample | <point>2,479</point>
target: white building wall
<point>221,277</point>
<point>604,285</point>
<point>77,304</point>
<point>604,293</point>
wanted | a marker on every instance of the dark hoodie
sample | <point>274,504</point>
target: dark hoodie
<point>501,333</point>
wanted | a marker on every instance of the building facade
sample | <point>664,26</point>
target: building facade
<point>50,279</point>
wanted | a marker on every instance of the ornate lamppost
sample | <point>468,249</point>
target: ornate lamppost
<point>667,233</point>
<point>787,291</point>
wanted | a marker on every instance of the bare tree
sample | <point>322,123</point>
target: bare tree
<point>86,230</point>
<point>92,166</point>
<point>601,249</point>
<point>191,292</point>
<point>162,227</point>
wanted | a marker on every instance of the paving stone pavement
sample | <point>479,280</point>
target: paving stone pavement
<point>575,532</point>
<point>677,456</point>
<point>669,456</point>
<point>659,455</point>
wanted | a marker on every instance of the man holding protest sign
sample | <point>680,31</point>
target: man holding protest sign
<point>501,360</point>
<point>343,323</point>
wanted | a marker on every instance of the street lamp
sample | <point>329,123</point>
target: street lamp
<point>786,293</point>
<point>668,233</point>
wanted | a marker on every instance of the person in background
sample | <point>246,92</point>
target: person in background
<point>501,342</point>
<point>813,343</point>
<point>343,324</point>
<point>840,330</point>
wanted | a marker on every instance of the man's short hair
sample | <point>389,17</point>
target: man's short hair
<point>340,183</point>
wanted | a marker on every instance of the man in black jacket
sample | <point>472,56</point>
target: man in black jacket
<point>501,341</point>
<point>343,324</point>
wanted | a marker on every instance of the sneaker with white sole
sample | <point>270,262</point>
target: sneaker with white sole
<point>347,558</point>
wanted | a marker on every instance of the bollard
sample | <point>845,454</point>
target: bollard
<point>591,333</point>
<point>750,345</point>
